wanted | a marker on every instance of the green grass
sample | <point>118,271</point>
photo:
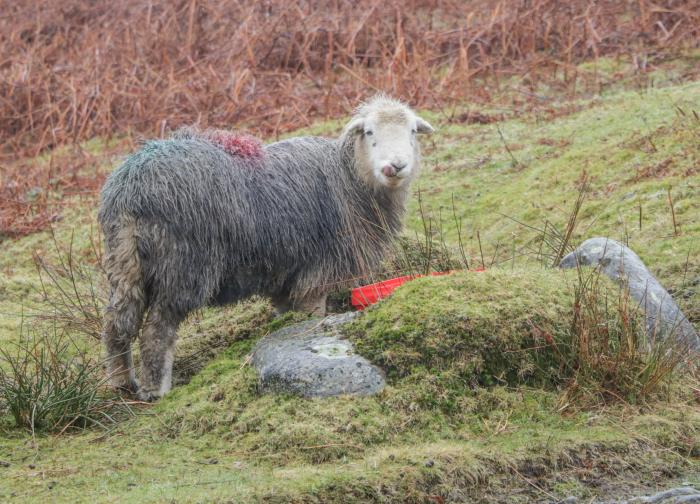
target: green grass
<point>606,140</point>
<point>473,427</point>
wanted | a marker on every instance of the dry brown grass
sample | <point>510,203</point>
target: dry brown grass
<point>71,70</point>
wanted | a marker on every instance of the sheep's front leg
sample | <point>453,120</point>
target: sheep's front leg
<point>157,348</point>
<point>315,305</point>
<point>281,305</point>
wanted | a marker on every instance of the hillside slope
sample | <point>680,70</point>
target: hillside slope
<point>217,439</point>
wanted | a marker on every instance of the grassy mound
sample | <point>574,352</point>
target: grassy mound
<point>444,337</point>
<point>481,326</point>
<point>457,349</point>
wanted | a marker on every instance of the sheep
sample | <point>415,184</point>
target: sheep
<point>211,217</point>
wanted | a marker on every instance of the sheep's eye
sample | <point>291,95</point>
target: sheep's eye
<point>413,132</point>
<point>369,133</point>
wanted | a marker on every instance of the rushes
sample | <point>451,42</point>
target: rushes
<point>71,288</point>
<point>49,383</point>
<point>551,243</point>
<point>610,357</point>
<point>50,377</point>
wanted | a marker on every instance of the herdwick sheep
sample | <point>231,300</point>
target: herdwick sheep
<point>213,217</point>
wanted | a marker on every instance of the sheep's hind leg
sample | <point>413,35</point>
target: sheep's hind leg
<point>121,324</point>
<point>124,312</point>
<point>157,347</point>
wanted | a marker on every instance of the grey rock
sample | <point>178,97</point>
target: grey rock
<point>680,494</point>
<point>621,264</point>
<point>684,494</point>
<point>311,359</point>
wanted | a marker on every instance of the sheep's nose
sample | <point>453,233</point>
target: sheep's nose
<point>398,165</point>
<point>389,170</point>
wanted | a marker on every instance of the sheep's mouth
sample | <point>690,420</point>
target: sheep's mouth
<point>392,182</point>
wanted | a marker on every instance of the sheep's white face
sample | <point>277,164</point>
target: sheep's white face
<point>386,147</point>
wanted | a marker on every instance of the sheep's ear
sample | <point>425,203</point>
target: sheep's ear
<point>355,126</point>
<point>423,126</point>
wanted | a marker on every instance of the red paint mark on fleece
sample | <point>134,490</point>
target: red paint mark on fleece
<point>237,144</point>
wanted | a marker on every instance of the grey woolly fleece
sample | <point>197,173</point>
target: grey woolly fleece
<point>216,227</point>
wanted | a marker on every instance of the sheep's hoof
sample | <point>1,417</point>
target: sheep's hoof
<point>129,388</point>
<point>148,395</point>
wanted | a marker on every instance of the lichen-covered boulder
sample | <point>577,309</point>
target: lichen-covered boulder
<point>621,264</point>
<point>312,359</point>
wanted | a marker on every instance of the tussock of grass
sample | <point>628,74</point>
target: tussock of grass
<point>611,357</point>
<point>49,384</point>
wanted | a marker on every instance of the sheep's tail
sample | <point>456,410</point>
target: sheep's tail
<point>121,260</point>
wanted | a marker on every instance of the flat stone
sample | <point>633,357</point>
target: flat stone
<point>684,494</point>
<point>621,264</point>
<point>312,359</point>
<point>675,495</point>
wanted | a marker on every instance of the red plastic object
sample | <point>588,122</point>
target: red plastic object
<point>366,295</point>
<point>362,297</point>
